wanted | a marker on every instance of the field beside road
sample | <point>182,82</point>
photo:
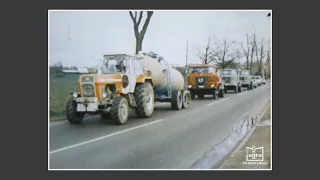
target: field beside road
<point>60,88</point>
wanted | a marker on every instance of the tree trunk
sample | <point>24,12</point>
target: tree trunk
<point>138,44</point>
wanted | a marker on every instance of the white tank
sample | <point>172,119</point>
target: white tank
<point>159,77</point>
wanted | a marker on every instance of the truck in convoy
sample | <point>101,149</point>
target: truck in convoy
<point>231,80</point>
<point>125,83</point>
<point>204,79</point>
<point>246,79</point>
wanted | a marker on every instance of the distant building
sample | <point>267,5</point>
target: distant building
<point>83,70</point>
<point>70,71</point>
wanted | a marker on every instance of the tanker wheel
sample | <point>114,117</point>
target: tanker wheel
<point>176,101</point>
<point>144,97</point>
<point>185,99</point>
<point>193,96</point>
<point>120,110</point>
<point>73,116</point>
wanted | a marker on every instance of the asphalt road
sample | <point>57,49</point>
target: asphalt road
<point>169,140</point>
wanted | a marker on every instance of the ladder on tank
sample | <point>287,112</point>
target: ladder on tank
<point>169,88</point>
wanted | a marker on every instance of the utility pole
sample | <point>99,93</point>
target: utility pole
<point>187,55</point>
<point>186,68</point>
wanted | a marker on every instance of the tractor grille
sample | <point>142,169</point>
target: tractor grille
<point>201,81</point>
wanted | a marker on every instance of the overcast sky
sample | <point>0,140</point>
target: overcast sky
<point>94,33</point>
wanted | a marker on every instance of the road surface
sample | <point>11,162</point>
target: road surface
<point>169,140</point>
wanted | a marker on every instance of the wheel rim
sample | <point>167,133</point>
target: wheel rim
<point>124,111</point>
<point>150,101</point>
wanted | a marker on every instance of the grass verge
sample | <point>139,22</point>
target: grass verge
<point>60,89</point>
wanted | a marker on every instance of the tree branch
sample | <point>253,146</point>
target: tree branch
<point>146,23</point>
<point>140,17</point>
<point>133,18</point>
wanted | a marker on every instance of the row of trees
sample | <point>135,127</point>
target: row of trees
<point>226,53</point>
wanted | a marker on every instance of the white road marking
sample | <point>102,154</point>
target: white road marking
<point>216,102</point>
<point>103,137</point>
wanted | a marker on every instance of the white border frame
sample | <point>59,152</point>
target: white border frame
<point>155,169</point>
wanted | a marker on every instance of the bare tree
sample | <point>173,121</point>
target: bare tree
<point>225,53</point>
<point>246,51</point>
<point>205,52</point>
<point>136,22</point>
<point>260,53</point>
<point>253,44</point>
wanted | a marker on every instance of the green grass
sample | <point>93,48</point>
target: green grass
<point>60,89</point>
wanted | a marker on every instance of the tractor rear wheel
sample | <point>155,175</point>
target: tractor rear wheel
<point>144,97</point>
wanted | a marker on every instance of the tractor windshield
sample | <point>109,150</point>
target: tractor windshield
<point>205,69</point>
<point>111,66</point>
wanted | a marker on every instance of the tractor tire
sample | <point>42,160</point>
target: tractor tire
<point>144,97</point>
<point>185,99</point>
<point>73,116</point>
<point>176,101</point>
<point>120,110</point>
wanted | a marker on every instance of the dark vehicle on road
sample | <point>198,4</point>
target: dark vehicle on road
<point>231,80</point>
<point>246,79</point>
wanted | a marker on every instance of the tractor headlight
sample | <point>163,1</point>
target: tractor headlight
<point>75,94</point>
<point>189,86</point>
<point>212,85</point>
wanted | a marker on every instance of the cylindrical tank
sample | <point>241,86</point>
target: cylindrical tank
<point>159,77</point>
